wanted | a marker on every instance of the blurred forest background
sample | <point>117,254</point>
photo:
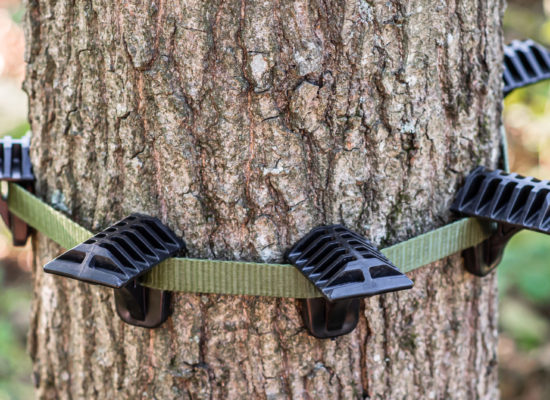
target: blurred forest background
<point>524,348</point>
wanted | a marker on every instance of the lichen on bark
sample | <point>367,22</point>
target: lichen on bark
<point>242,125</point>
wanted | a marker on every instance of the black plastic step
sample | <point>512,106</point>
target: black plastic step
<point>120,253</point>
<point>15,162</point>
<point>507,198</point>
<point>344,265</point>
<point>117,257</point>
<point>510,202</point>
<point>15,166</point>
<point>525,63</point>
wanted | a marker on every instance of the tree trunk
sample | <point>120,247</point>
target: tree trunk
<point>242,125</point>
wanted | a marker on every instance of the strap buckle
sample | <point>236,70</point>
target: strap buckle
<point>344,267</point>
<point>116,258</point>
<point>15,166</point>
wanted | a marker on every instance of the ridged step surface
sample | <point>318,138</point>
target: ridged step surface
<point>525,63</point>
<point>511,199</point>
<point>120,253</point>
<point>343,265</point>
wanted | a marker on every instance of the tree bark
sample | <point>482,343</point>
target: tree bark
<point>242,125</point>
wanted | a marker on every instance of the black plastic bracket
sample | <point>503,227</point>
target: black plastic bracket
<point>117,257</point>
<point>482,259</point>
<point>525,63</point>
<point>142,306</point>
<point>345,267</point>
<point>510,202</point>
<point>15,166</point>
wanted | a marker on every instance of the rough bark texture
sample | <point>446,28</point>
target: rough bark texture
<point>243,124</point>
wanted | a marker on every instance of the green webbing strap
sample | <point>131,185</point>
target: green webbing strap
<point>230,277</point>
<point>245,278</point>
<point>45,218</point>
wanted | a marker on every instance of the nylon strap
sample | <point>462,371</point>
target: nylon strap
<point>246,278</point>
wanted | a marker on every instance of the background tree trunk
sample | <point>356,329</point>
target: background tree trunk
<point>243,125</point>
